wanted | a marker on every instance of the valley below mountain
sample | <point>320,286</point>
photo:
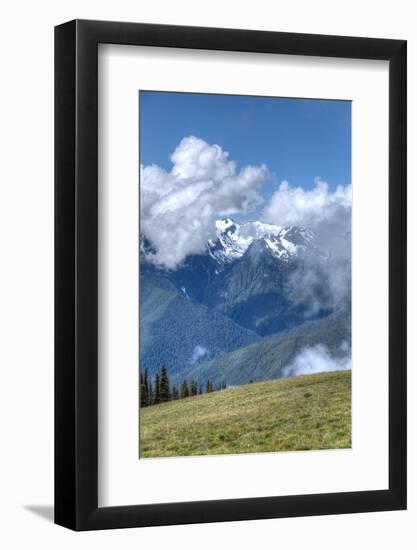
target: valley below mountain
<point>245,308</point>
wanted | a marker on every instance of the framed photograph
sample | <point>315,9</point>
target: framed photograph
<point>230,255</point>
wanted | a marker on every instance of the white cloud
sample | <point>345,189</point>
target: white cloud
<point>297,206</point>
<point>178,207</point>
<point>322,278</point>
<point>316,359</point>
<point>199,352</point>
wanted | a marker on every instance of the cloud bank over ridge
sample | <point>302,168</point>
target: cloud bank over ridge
<point>308,208</point>
<point>322,280</point>
<point>316,359</point>
<point>178,208</point>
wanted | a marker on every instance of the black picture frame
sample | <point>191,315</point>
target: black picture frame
<point>76,272</point>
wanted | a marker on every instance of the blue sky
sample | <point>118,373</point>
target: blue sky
<point>298,139</point>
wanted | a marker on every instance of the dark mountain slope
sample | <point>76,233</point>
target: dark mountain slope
<point>253,291</point>
<point>177,332</point>
<point>265,359</point>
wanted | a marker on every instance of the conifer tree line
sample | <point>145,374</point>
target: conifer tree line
<point>159,390</point>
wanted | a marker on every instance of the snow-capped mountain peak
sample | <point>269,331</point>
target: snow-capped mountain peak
<point>234,239</point>
<point>231,243</point>
<point>224,224</point>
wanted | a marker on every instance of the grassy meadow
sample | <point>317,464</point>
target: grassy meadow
<point>291,414</point>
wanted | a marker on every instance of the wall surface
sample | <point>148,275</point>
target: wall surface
<point>26,290</point>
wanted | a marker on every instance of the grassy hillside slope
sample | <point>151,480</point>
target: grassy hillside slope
<point>300,413</point>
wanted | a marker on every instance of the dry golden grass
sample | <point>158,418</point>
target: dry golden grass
<point>300,413</point>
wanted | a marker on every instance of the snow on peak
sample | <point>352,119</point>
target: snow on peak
<point>234,239</point>
<point>224,224</point>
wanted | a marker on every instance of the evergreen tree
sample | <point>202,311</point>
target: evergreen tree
<point>200,390</point>
<point>150,394</point>
<point>156,394</point>
<point>184,391</point>
<point>164,385</point>
<point>174,393</point>
<point>142,392</point>
<point>209,386</point>
<point>193,388</point>
<point>146,384</point>
<point>224,385</point>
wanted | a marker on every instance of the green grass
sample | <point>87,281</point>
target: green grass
<point>292,414</point>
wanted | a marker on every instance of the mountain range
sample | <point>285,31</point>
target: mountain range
<point>233,313</point>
